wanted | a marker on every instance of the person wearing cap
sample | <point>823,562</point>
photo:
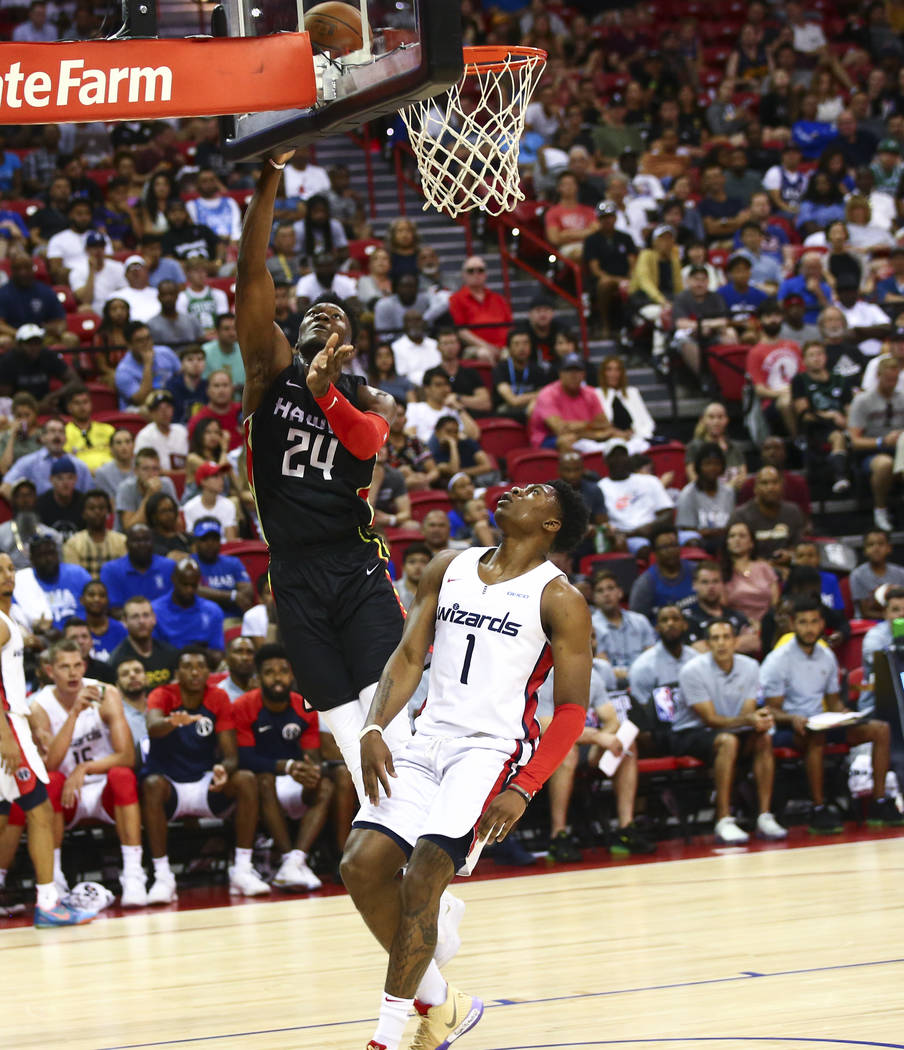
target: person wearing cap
<point>772,364</point>
<point>656,281</point>
<point>68,247</point>
<point>60,507</point>
<point>137,290</point>
<point>36,466</point>
<point>169,327</point>
<point>567,413</point>
<point>869,324</point>
<point>888,167</point>
<point>95,278</point>
<point>30,366</point>
<point>224,579</point>
<point>568,223</point>
<point>22,435</point>
<point>611,256</point>
<point>476,306</point>
<point>168,439</point>
<point>86,438</point>
<point>222,353</point>
<point>210,502</point>
<point>145,367</point>
<point>889,292</point>
<point>786,183</point>
<point>24,525</point>
<point>199,299</point>
<point>24,300</point>
<point>700,319</point>
<point>794,323</point>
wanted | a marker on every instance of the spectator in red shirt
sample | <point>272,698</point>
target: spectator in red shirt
<point>222,407</point>
<point>772,363</point>
<point>568,223</point>
<point>473,306</point>
<point>280,743</point>
<point>567,413</point>
<point>192,771</point>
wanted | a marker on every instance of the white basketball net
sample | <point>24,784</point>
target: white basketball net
<point>467,154</point>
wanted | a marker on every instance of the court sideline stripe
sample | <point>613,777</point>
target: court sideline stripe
<point>571,998</point>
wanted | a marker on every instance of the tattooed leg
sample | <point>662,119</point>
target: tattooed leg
<point>429,872</point>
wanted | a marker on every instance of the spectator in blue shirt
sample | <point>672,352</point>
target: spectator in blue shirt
<point>106,633</point>
<point>188,387</point>
<point>810,284</point>
<point>766,267</point>
<point>184,618</point>
<point>61,582</point>
<point>890,290</point>
<point>144,368</point>
<point>822,205</point>
<point>669,581</point>
<point>224,579</point>
<point>160,267</point>
<point>139,571</point>
<point>25,300</point>
<point>36,465</point>
<point>810,134</point>
<point>741,297</point>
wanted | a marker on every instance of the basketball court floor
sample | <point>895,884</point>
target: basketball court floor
<point>771,947</point>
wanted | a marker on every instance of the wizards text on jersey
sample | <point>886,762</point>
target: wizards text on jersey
<point>464,618</point>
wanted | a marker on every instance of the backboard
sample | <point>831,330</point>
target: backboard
<point>412,50</point>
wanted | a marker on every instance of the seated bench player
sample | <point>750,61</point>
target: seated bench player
<point>192,771</point>
<point>717,721</point>
<point>280,743</point>
<point>799,679</point>
<point>90,758</point>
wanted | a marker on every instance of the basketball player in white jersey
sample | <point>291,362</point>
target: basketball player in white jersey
<point>92,751</point>
<point>23,778</point>
<point>499,619</point>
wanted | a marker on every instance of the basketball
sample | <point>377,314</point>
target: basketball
<point>334,27</point>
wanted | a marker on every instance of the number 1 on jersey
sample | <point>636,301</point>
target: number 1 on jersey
<point>466,666</point>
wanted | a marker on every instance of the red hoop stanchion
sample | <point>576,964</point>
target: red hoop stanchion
<point>466,140</point>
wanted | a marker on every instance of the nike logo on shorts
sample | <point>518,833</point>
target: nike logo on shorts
<point>373,569</point>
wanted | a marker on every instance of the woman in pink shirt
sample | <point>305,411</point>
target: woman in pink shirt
<point>751,584</point>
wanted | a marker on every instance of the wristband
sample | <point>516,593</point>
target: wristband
<point>526,795</point>
<point>279,167</point>
<point>372,728</point>
<point>232,595</point>
<point>288,770</point>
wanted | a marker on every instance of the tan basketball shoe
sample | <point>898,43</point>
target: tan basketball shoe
<point>441,1025</point>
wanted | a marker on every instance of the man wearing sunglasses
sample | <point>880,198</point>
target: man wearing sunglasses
<point>483,317</point>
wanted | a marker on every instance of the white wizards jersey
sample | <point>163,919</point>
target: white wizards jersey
<point>91,738</point>
<point>490,656</point>
<point>12,670</point>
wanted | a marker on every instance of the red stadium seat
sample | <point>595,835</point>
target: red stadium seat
<point>103,399</point>
<point>6,511</point>
<point>669,456</point>
<point>24,207</point>
<point>844,585</point>
<point>484,369</point>
<point>596,462</point>
<point>498,436</point>
<point>66,297</point>
<point>429,499</point>
<point>253,554</point>
<point>225,284</point>
<point>84,325</point>
<point>850,653</point>
<point>177,477</point>
<point>492,494</point>
<point>360,251</point>
<point>131,421</point>
<point>728,365</point>
<point>532,465</point>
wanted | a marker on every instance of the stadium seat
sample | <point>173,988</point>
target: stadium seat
<point>225,284</point>
<point>131,421</point>
<point>6,511</point>
<point>253,554</point>
<point>492,494</point>
<point>622,564</point>
<point>67,299</point>
<point>499,436</point>
<point>103,399</point>
<point>429,499</point>
<point>728,365</point>
<point>84,325</point>
<point>594,461</point>
<point>531,465</point>
<point>484,370</point>
<point>177,477</point>
<point>844,585</point>
<point>669,456</point>
<point>360,251</point>
<point>850,653</point>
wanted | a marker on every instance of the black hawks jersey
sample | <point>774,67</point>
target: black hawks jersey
<point>310,490</point>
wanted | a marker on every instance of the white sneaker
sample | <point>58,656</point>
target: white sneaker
<point>881,519</point>
<point>448,939</point>
<point>247,883</point>
<point>62,886</point>
<point>728,832</point>
<point>767,827</point>
<point>163,890</point>
<point>295,874</point>
<point>134,891</point>
<point>841,486</point>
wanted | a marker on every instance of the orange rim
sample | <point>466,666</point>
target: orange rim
<point>496,58</point>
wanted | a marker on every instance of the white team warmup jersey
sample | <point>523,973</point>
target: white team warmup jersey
<point>12,669</point>
<point>91,738</point>
<point>490,655</point>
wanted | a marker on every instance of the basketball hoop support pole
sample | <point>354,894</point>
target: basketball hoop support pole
<point>139,18</point>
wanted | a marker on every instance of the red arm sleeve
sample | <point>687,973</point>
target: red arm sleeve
<point>362,433</point>
<point>560,737</point>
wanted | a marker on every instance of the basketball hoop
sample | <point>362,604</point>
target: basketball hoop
<point>467,152</point>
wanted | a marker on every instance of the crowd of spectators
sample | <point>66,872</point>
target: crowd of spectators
<point>736,182</point>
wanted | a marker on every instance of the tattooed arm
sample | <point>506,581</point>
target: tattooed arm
<point>401,676</point>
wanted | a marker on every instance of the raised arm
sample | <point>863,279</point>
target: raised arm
<point>265,349</point>
<point>400,677</point>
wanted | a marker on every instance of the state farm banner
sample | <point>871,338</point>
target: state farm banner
<point>146,79</point>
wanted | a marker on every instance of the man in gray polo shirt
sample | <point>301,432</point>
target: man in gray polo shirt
<point>877,639</point>
<point>653,678</point>
<point>799,679</point>
<point>717,721</point>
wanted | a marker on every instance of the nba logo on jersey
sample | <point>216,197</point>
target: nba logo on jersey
<point>204,726</point>
<point>292,731</point>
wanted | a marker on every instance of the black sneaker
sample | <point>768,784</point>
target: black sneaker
<point>883,813</point>
<point>825,821</point>
<point>563,849</point>
<point>630,840</point>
